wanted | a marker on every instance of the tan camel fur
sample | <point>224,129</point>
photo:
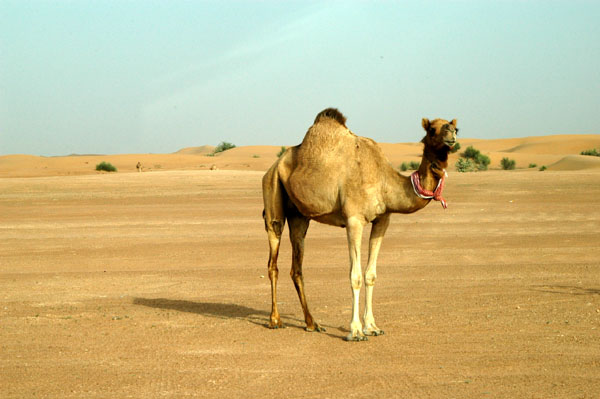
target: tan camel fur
<point>338,178</point>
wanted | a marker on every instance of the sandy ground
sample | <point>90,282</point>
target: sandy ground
<point>154,285</point>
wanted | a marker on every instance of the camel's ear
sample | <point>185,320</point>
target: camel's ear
<point>425,123</point>
<point>453,123</point>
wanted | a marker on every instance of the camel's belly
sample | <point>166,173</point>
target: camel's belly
<point>331,219</point>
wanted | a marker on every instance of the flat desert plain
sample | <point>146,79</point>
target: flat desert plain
<point>154,284</point>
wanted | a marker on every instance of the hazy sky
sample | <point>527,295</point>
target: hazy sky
<point>79,76</point>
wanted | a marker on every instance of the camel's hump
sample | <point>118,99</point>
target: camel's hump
<point>331,113</point>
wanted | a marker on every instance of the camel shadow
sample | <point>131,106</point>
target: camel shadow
<point>566,289</point>
<point>211,309</point>
<point>224,311</point>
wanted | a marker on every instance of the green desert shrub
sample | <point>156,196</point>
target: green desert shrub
<point>481,161</point>
<point>471,152</point>
<point>223,146</point>
<point>593,152</point>
<point>281,151</point>
<point>543,168</point>
<point>105,166</point>
<point>532,165</point>
<point>464,165</point>
<point>508,164</point>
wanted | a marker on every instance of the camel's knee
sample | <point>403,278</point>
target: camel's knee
<point>356,282</point>
<point>275,226</point>
<point>274,241</point>
<point>370,279</point>
<point>273,272</point>
<point>273,255</point>
<point>296,274</point>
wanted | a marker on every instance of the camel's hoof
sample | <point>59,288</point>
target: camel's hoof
<point>315,328</point>
<point>274,326</point>
<point>355,338</point>
<point>374,333</point>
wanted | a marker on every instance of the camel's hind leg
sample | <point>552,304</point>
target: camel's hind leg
<point>274,217</point>
<point>298,225</point>
<point>274,240</point>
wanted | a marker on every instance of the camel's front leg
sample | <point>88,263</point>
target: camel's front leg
<point>354,230</point>
<point>377,233</point>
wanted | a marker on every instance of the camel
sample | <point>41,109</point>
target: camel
<point>341,179</point>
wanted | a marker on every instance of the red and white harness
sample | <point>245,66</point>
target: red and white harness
<point>426,194</point>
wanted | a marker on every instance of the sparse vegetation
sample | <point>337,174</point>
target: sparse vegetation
<point>105,166</point>
<point>255,156</point>
<point>482,162</point>
<point>593,152</point>
<point>280,153</point>
<point>412,165</point>
<point>223,146</point>
<point>532,165</point>
<point>464,165</point>
<point>471,152</point>
<point>508,164</point>
<point>543,168</point>
<point>455,148</point>
<point>479,160</point>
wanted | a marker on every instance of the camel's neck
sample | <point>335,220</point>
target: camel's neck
<point>401,196</point>
<point>433,167</point>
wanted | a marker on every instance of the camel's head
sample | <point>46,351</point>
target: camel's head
<point>441,134</point>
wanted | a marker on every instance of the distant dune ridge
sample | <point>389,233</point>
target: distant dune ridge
<point>202,150</point>
<point>557,152</point>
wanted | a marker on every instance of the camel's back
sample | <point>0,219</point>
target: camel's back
<point>330,163</point>
<point>326,142</point>
<point>326,137</point>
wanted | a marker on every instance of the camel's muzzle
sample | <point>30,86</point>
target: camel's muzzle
<point>450,143</point>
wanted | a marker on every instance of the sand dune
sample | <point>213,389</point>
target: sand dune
<point>202,150</point>
<point>576,162</point>
<point>560,152</point>
<point>559,144</point>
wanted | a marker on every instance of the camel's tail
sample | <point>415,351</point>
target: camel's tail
<point>331,113</point>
